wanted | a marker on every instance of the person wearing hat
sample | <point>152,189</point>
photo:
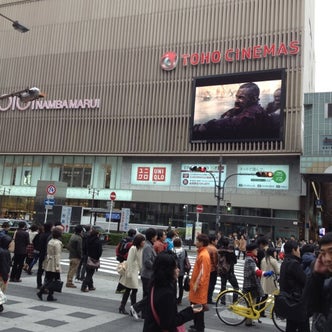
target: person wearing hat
<point>75,254</point>
<point>252,275</point>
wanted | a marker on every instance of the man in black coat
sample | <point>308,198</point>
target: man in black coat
<point>293,281</point>
<point>21,238</point>
<point>319,287</point>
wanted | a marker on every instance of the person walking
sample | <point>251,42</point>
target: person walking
<point>121,252</point>
<point>75,254</point>
<point>199,282</point>
<point>160,244</point>
<point>293,281</point>
<point>94,251</point>
<point>181,255</point>
<point>213,252</point>
<point>21,238</point>
<point>162,314</point>
<point>227,273</point>
<point>130,279</point>
<point>148,258</point>
<point>81,269</point>
<point>269,263</point>
<point>52,264</point>
<point>45,236</point>
<point>242,246</point>
<point>5,263</point>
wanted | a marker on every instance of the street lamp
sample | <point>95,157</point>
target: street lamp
<point>26,95</point>
<point>16,25</point>
<point>94,192</point>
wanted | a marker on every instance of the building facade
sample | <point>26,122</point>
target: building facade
<point>119,111</point>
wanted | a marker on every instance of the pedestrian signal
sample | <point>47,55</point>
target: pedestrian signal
<point>264,174</point>
<point>198,169</point>
<point>229,207</point>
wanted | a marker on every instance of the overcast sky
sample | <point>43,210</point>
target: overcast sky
<point>323,46</point>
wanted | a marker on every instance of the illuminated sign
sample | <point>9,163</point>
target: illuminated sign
<point>151,174</point>
<point>201,179</point>
<point>279,181</point>
<point>169,60</point>
<point>13,103</point>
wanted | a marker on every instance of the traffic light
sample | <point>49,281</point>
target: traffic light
<point>229,207</point>
<point>264,174</point>
<point>197,168</point>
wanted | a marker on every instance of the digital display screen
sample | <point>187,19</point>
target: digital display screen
<point>239,107</point>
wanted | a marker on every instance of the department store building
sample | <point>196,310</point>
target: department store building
<point>127,81</point>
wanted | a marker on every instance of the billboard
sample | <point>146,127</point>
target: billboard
<point>279,181</point>
<point>239,107</point>
<point>202,179</point>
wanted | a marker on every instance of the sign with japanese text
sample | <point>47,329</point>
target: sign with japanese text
<point>279,180</point>
<point>202,179</point>
<point>151,174</point>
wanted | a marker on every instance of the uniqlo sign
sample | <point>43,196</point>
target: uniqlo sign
<point>151,174</point>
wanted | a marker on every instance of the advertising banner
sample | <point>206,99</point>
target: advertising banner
<point>151,174</point>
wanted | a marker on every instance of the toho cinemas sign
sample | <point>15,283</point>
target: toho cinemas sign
<point>169,60</point>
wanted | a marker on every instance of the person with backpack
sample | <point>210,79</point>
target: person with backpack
<point>121,252</point>
<point>226,261</point>
<point>181,255</point>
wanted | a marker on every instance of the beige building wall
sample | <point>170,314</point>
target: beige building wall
<point>110,50</point>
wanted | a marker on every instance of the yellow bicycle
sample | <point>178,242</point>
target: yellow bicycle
<point>233,307</point>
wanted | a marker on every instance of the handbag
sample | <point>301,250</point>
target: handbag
<point>3,297</point>
<point>121,268</point>
<point>289,306</point>
<point>187,265</point>
<point>186,283</point>
<point>180,328</point>
<point>54,285</point>
<point>93,263</point>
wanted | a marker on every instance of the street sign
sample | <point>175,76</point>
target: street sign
<point>113,196</point>
<point>49,202</point>
<point>199,208</point>
<point>51,189</point>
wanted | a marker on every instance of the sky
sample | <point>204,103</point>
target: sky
<point>323,46</point>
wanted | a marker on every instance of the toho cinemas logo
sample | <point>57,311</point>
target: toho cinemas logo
<point>170,60</point>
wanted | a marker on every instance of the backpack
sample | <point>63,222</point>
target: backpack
<point>122,249</point>
<point>223,266</point>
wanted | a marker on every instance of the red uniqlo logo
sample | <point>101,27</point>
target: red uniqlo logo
<point>143,173</point>
<point>159,174</point>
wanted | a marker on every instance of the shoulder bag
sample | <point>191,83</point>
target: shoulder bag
<point>121,268</point>
<point>93,263</point>
<point>289,306</point>
<point>180,328</point>
<point>187,265</point>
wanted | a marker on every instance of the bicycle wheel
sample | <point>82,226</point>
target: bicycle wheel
<point>279,322</point>
<point>224,310</point>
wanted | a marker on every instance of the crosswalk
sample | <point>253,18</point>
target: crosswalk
<point>109,264</point>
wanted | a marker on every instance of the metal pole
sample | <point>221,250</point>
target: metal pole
<point>109,221</point>
<point>218,196</point>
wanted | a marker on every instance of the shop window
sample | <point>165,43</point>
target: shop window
<point>75,175</point>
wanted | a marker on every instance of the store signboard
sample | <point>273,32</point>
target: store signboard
<point>201,179</point>
<point>151,174</point>
<point>279,181</point>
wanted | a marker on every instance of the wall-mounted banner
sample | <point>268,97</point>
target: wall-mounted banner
<point>151,174</point>
<point>202,179</point>
<point>278,181</point>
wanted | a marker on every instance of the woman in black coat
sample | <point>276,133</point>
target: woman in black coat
<point>94,250</point>
<point>162,297</point>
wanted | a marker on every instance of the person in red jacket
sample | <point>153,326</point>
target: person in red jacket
<point>199,282</point>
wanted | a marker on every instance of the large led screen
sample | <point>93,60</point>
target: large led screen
<point>239,107</point>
